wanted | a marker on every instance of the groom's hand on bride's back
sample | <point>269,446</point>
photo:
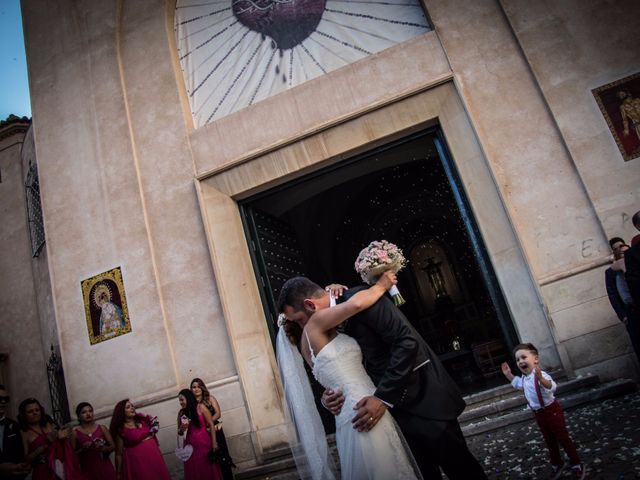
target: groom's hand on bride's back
<point>332,400</point>
<point>369,411</point>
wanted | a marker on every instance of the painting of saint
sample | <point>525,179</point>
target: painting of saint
<point>105,306</point>
<point>619,103</point>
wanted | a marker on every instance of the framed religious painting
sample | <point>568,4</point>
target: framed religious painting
<point>105,306</point>
<point>619,103</point>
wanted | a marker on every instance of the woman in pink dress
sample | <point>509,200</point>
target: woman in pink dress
<point>46,447</point>
<point>138,456</point>
<point>206,399</point>
<point>93,444</point>
<point>196,421</point>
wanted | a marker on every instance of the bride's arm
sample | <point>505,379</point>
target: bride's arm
<point>328,318</point>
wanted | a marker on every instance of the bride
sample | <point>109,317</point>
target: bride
<point>378,452</point>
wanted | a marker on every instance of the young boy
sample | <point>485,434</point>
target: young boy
<point>538,389</point>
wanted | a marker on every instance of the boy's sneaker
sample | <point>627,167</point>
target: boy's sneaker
<point>556,471</point>
<point>579,471</point>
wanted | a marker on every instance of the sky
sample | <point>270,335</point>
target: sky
<point>14,84</point>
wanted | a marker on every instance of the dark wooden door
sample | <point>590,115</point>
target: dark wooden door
<point>276,256</point>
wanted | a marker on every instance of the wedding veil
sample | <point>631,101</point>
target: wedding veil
<point>306,433</point>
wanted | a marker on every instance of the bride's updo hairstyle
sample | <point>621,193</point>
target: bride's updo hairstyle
<point>293,293</point>
<point>293,331</point>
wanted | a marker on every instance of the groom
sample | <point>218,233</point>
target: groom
<point>409,379</point>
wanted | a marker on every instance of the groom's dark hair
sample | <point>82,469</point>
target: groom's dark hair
<point>295,290</point>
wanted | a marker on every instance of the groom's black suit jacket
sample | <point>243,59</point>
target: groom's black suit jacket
<point>392,350</point>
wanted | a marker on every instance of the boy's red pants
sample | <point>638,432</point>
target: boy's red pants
<point>554,430</point>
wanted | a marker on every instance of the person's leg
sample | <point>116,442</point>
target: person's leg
<point>454,456</point>
<point>559,428</point>
<point>633,327</point>
<point>438,444</point>
<point>543,419</point>
<point>424,455</point>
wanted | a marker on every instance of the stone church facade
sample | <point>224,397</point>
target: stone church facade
<point>130,177</point>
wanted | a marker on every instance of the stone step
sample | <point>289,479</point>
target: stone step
<point>512,398</point>
<point>283,469</point>
<point>587,395</point>
<point>280,465</point>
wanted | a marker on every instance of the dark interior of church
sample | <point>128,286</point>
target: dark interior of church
<point>407,193</point>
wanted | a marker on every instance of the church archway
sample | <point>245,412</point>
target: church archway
<point>223,193</point>
<point>406,192</point>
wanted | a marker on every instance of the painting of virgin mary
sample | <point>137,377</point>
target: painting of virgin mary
<point>105,306</point>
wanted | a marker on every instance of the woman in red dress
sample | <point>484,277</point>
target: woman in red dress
<point>204,398</point>
<point>138,456</point>
<point>46,447</point>
<point>93,444</point>
<point>197,422</point>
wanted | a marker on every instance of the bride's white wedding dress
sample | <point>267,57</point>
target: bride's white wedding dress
<point>381,453</point>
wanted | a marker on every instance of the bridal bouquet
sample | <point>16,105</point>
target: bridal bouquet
<point>377,258</point>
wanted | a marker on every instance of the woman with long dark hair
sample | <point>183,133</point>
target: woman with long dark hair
<point>196,423</point>
<point>46,447</point>
<point>93,444</point>
<point>201,392</point>
<point>138,456</point>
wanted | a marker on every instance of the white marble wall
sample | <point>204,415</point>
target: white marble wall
<point>573,47</point>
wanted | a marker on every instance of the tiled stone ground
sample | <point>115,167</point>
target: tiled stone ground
<point>607,435</point>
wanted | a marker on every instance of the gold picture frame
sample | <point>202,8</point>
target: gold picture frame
<point>105,306</point>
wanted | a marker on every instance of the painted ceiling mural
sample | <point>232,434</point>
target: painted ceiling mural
<point>235,53</point>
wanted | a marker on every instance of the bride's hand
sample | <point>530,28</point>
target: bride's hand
<point>387,280</point>
<point>332,400</point>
